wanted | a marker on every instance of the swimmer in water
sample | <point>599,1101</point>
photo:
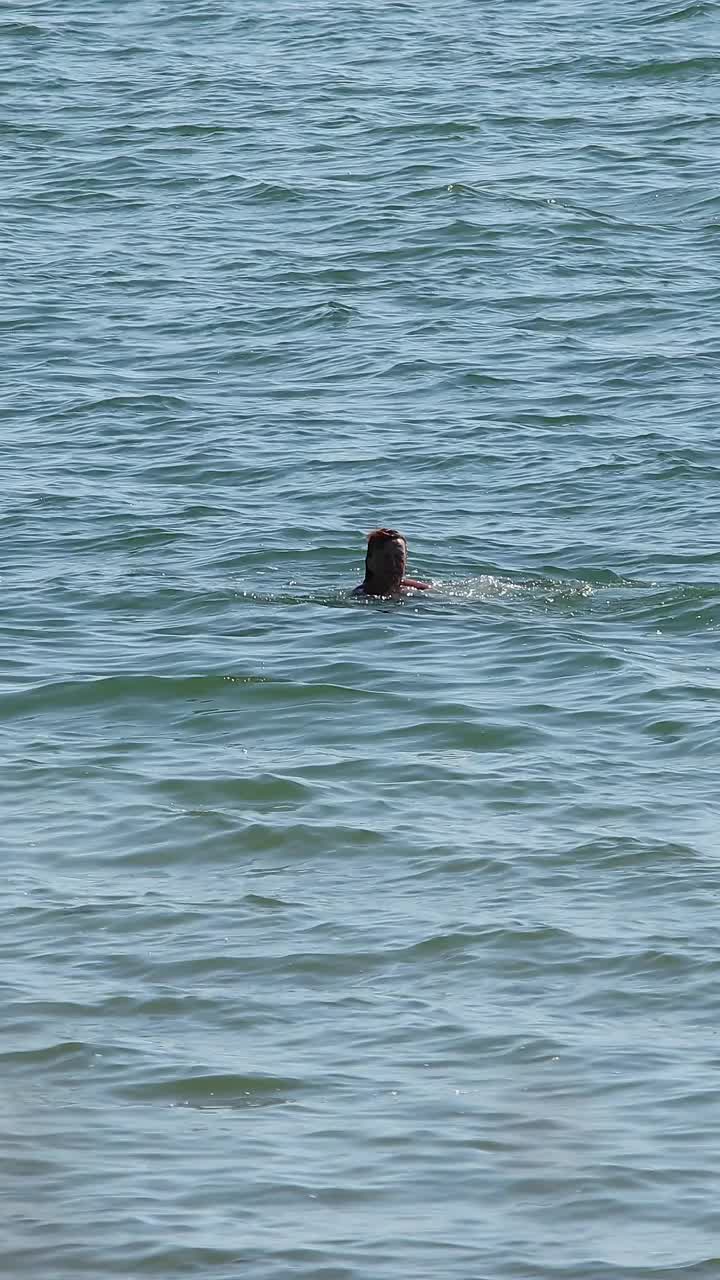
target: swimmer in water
<point>385,565</point>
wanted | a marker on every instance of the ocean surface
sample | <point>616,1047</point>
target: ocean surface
<point>346,939</point>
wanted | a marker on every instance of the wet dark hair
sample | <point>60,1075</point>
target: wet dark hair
<point>385,535</point>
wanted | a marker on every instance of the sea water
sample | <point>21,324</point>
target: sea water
<point>344,939</point>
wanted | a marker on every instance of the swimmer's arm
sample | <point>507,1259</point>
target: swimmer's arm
<point>414,582</point>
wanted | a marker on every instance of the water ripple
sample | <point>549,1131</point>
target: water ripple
<point>343,937</point>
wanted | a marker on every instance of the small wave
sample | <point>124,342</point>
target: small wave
<point>462,735</point>
<point>102,690</point>
<point>660,69</point>
<point>674,13</point>
<point>64,1052</point>
<point>670,607</point>
<point>274,193</point>
<point>630,853</point>
<point>426,129</point>
<point>515,938</point>
<point>287,319</point>
<point>112,404</point>
<point>190,129</point>
<point>24,29</point>
<point>215,1091</point>
<point>257,792</point>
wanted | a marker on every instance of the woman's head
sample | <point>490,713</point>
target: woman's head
<point>385,561</point>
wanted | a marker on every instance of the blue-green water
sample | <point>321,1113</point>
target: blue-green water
<point>347,940</point>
